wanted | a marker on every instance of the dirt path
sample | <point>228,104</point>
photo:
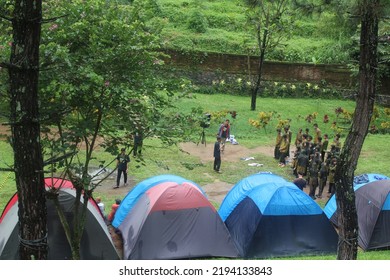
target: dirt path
<point>216,190</point>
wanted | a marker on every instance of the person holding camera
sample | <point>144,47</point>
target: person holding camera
<point>224,133</point>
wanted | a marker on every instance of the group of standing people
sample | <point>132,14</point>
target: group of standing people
<point>313,163</point>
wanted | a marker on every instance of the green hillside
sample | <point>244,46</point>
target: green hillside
<point>221,26</point>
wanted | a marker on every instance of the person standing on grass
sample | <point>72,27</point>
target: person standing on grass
<point>331,172</point>
<point>217,154</point>
<point>122,161</point>
<point>224,133</point>
<point>283,150</point>
<point>138,141</point>
<point>317,133</point>
<point>337,144</point>
<point>314,168</point>
<point>299,138</point>
<point>323,176</point>
<point>302,163</point>
<point>325,144</point>
<point>287,130</point>
<point>277,143</point>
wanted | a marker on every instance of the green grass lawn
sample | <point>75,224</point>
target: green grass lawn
<point>160,159</point>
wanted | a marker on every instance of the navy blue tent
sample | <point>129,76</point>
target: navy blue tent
<point>244,186</point>
<point>373,210</point>
<point>277,219</point>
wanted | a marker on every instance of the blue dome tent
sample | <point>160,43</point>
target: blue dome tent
<point>237,193</point>
<point>278,219</point>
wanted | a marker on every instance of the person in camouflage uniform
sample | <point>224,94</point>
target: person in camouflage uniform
<point>332,171</point>
<point>323,176</point>
<point>314,167</point>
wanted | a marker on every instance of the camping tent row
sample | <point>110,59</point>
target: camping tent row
<point>372,202</point>
<point>169,217</point>
<point>96,242</point>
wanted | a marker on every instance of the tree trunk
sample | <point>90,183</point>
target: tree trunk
<point>346,166</point>
<point>256,87</point>
<point>25,128</point>
<point>262,44</point>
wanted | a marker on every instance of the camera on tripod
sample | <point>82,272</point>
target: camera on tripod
<point>205,122</point>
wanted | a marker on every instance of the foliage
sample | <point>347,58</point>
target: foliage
<point>99,85</point>
<point>268,23</point>
<point>262,121</point>
<point>241,85</point>
<point>197,22</point>
<point>331,29</point>
<point>106,84</point>
<point>311,117</point>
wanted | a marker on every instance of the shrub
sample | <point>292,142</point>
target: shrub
<point>197,22</point>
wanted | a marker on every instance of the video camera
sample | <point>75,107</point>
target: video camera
<point>205,122</point>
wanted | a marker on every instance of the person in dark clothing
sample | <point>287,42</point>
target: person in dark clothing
<point>302,163</point>
<point>331,172</point>
<point>300,182</point>
<point>217,155</point>
<point>138,141</point>
<point>314,167</point>
<point>121,162</point>
<point>323,176</point>
<point>325,144</point>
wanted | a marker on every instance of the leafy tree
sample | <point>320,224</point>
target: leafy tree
<point>269,21</point>
<point>98,84</point>
<point>102,85</point>
<point>23,70</point>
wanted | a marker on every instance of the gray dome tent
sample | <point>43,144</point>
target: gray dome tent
<point>373,211</point>
<point>96,243</point>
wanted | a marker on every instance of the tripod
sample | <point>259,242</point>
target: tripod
<point>202,138</point>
